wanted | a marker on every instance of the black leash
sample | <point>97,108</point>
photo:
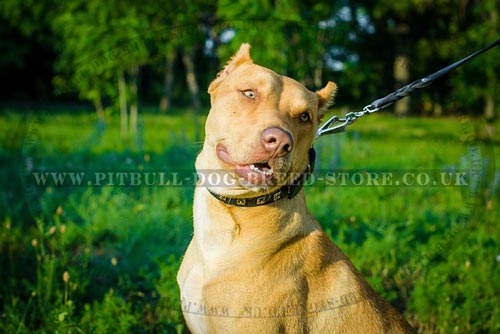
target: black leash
<point>336,124</point>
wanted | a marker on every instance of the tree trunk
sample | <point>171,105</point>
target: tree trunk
<point>187,59</point>
<point>318,74</point>
<point>98,107</point>
<point>134,99</point>
<point>166,100</point>
<point>489,114</point>
<point>489,107</point>
<point>122,91</point>
<point>437,109</point>
<point>401,70</point>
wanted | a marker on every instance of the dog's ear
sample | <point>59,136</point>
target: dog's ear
<point>325,98</point>
<point>240,57</point>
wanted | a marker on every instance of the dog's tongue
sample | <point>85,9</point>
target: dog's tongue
<point>256,174</point>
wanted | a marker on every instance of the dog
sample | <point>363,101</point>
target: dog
<point>258,261</point>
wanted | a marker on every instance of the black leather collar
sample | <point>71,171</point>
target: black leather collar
<point>287,191</point>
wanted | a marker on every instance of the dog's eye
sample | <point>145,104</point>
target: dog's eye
<point>249,93</point>
<point>304,117</point>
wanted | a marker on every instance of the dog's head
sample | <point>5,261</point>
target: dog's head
<point>260,127</point>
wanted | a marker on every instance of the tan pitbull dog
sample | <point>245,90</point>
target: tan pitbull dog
<point>259,262</point>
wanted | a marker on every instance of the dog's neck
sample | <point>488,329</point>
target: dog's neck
<point>288,191</point>
<point>217,225</point>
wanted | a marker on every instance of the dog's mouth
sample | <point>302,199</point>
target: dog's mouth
<point>259,173</point>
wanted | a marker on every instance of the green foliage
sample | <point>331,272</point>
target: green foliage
<point>87,46</point>
<point>113,314</point>
<point>90,260</point>
<point>253,17</point>
<point>100,259</point>
<point>91,56</point>
<point>457,295</point>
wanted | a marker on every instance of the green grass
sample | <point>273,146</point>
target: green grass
<point>103,259</point>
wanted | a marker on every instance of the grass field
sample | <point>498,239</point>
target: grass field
<point>101,256</point>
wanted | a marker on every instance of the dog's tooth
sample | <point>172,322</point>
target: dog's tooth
<point>254,168</point>
<point>267,172</point>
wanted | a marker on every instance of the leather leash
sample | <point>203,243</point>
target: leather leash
<point>336,124</point>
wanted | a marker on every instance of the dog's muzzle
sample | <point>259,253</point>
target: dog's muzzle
<point>287,191</point>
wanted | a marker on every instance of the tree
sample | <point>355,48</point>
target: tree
<point>99,45</point>
<point>166,98</point>
<point>179,31</point>
<point>396,25</point>
<point>261,23</point>
<point>475,86</point>
<point>420,37</point>
<point>191,42</point>
<point>291,37</point>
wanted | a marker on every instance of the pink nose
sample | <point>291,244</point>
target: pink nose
<point>277,141</point>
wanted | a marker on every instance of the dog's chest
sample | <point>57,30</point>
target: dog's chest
<point>191,300</point>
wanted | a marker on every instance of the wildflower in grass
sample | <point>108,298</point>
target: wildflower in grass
<point>34,243</point>
<point>62,316</point>
<point>114,261</point>
<point>63,228</point>
<point>52,230</point>
<point>66,277</point>
<point>59,210</point>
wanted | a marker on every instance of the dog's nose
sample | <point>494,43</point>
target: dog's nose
<point>277,141</point>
